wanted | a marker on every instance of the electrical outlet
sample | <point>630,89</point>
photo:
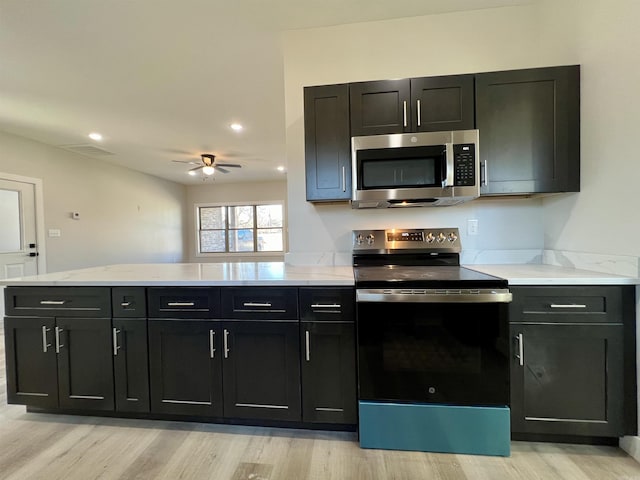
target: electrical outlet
<point>472,227</point>
<point>54,232</point>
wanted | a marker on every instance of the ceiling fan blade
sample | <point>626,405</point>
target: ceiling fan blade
<point>220,169</point>
<point>196,168</point>
<point>234,165</point>
<point>186,161</point>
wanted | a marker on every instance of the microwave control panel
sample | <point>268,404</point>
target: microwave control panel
<point>464,156</point>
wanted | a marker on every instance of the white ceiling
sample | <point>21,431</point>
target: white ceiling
<point>163,79</point>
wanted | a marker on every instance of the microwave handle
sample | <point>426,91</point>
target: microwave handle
<point>448,179</point>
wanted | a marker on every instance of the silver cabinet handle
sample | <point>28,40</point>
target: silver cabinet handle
<point>181,304</point>
<point>52,302</point>
<point>116,347</point>
<point>307,347</point>
<point>418,108</point>
<point>226,343</point>
<point>485,178</point>
<point>450,161</point>
<point>58,344</point>
<point>125,304</point>
<point>569,305</point>
<point>255,304</point>
<point>45,345</point>
<point>520,354</point>
<point>212,350</point>
<point>344,179</point>
<point>326,305</point>
<point>404,113</point>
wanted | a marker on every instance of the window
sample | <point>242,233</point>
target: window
<point>239,228</point>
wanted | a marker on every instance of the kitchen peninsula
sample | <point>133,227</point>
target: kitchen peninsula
<point>269,343</point>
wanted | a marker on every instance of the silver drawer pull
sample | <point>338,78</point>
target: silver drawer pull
<point>255,304</point>
<point>52,302</point>
<point>181,304</point>
<point>326,305</point>
<point>45,345</point>
<point>569,305</point>
<point>125,304</point>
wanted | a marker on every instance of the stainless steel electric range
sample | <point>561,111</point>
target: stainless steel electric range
<point>433,345</point>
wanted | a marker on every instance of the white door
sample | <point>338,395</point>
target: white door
<point>18,247</point>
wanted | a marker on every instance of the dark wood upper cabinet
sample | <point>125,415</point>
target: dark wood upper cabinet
<point>426,104</point>
<point>529,122</point>
<point>327,143</point>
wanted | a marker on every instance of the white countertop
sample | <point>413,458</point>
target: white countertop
<point>194,274</point>
<point>537,274</point>
<point>283,274</point>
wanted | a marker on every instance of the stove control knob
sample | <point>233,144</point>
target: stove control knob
<point>370,239</point>
<point>430,237</point>
<point>359,239</point>
<point>452,237</point>
<point>441,237</point>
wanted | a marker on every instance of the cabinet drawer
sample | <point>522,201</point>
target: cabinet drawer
<point>129,302</point>
<point>261,303</point>
<point>184,302</point>
<point>329,304</point>
<point>567,304</point>
<point>58,301</point>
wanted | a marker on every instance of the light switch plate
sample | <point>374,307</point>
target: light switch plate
<point>54,232</point>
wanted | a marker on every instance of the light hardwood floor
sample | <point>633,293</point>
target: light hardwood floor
<point>61,447</point>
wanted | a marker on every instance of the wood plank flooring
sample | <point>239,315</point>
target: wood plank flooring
<point>61,447</point>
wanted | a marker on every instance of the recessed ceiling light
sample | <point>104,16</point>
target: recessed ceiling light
<point>280,168</point>
<point>236,127</point>
<point>192,173</point>
<point>95,136</point>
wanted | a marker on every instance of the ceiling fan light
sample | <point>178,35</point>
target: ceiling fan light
<point>208,170</point>
<point>192,173</point>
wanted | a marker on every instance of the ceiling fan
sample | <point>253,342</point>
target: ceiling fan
<point>208,165</point>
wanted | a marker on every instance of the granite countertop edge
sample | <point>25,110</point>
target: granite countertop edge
<point>283,274</point>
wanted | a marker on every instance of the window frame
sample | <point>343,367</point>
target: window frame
<point>226,254</point>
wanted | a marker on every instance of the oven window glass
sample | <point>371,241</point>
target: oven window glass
<point>433,353</point>
<point>406,167</point>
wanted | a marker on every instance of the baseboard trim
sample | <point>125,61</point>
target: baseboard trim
<point>631,445</point>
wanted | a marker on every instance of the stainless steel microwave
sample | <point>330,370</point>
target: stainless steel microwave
<point>415,169</point>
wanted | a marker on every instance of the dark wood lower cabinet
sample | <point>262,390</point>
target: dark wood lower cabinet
<point>32,371</point>
<point>328,372</point>
<point>85,366</point>
<point>569,380</point>
<point>185,367</point>
<point>59,362</point>
<point>131,364</point>
<point>261,370</point>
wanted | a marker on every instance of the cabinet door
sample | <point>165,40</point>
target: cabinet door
<point>529,122</point>
<point>131,364</point>
<point>380,107</point>
<point>568,379</point>
<point>327,143</point>
<point>328,372</point>
<point>262,370</point>
<point>442,103</point>
<point>185,367</point>
<point>32,375</point>
<point>85,365</point>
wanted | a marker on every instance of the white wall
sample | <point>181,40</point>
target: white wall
<point>253,192</point>
<point>599,35</point>
<point>603,218</point>
<point>126,216</point>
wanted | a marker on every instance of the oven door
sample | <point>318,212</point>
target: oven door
<point>436,352</point>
